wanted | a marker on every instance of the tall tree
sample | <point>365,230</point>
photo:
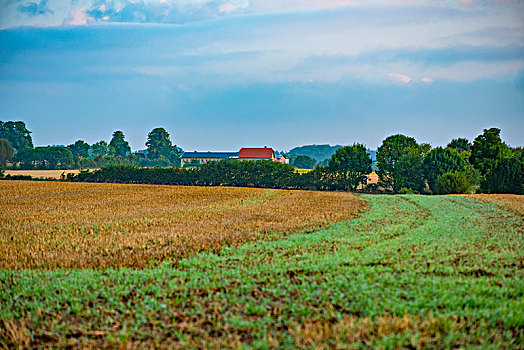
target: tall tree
<point>6,151</point>
<point>159,144</point>
<point>507,176</point>
<point>486,150</point>
<point>409,171</point>
<point>352,163</point>
<point>439,161</point>
<point>461,144</point>
<point>79,149</point>
<point>388,154</point>
<point>17,134</point>
<point>102,149</point>
<point>119,143</point>
<point>57,155</point>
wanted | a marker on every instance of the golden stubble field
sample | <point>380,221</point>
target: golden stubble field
<point>49,225</point>
<point>511,202</point>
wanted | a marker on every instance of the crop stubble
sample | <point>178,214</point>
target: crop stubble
<point>49,225</point>
<point>511,202</point>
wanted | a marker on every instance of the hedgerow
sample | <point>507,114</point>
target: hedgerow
<point>260,174</point>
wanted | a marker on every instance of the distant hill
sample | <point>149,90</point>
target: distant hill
<point>317,152</point>
<point>321,153</point>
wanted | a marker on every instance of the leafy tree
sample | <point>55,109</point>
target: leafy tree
<point>57,155</point>
<point>44,158</point>
<point>506,176</point>
<point>302,162</point>
<point>461,144</point>
<point>452,182</point>
<point>501,168</point>
<point>17,134</point>
<point>486,150</point>
<point>439,161</point>
<point>102,149</point>
<point>26,158</point>
<point>388,154</point>
<point>79,149</point>
<point>159,144</point>
<point>120,145</point>
<point>6,151</point>
<point>470,171</point>
<point>352,163</point>
<point>409,170</point>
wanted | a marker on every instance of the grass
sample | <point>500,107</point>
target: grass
<point>413,271</point>
<point>66,225</point>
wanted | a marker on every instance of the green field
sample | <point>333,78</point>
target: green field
<point>412,271</point>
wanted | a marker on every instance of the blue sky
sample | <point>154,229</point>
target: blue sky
<point>222,74</point>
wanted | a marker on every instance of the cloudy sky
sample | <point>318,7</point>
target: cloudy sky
<point>221,74</point>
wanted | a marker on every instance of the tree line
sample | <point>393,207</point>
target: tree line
<point>16,147</point>
<point>486,165</point>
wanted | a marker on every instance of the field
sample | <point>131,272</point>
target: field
<point>54,174</point>
<point>507,201</point>
<point>396,272</point>
<point>75,225</point>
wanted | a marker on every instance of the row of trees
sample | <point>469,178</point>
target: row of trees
<point>404,166</point>
<point>16,146</point>
<point>487,163</point>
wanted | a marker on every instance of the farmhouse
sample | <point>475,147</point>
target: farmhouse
<point>282,159</point>
<point>198,158</point>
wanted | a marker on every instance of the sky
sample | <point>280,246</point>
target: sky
<point>223,74</point>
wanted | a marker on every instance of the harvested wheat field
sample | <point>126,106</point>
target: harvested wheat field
<point>512,202</point>
<point>49,225</point>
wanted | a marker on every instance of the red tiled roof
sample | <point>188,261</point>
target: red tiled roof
<point>256,153</point>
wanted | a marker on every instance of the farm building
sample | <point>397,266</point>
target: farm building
<point>257,154</point>
<point>197,158</point>
<point>282,159</point>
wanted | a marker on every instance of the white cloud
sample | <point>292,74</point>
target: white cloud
<point>427,80</point>
<point>399,78</point>
<point>77,16</point>
<point>227,8</point>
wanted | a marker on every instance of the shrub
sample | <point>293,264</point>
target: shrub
<point>452,183</point>
<point>405,190</point>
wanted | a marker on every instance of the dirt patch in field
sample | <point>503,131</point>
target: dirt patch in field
<point>64,225</point>
<point>511,202</point>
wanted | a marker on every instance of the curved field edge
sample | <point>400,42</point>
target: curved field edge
<point>49,225</point>
<point>414,271</point>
